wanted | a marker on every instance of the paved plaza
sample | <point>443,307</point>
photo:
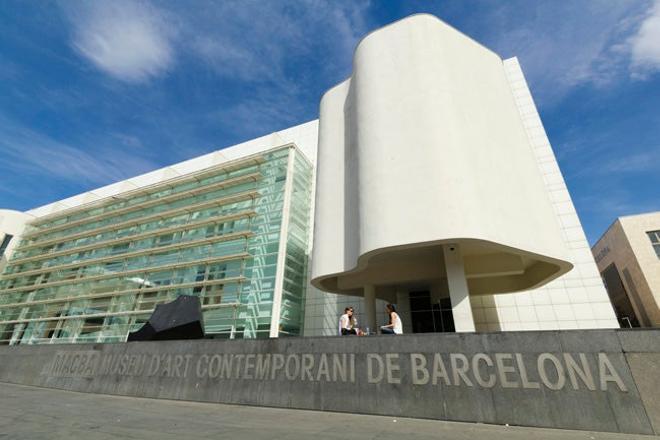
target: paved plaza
<point>31,413</point>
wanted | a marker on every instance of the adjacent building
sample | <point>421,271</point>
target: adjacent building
<point>628,258</point>
<point>428,182</point>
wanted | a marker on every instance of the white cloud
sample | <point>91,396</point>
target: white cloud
<point>563,45</point>
<point>131,41</point>
<point>645,44</point>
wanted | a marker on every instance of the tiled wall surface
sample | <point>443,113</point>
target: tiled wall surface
<point>577,300</point>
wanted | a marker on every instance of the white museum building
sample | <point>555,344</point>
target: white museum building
<point>428,182</point>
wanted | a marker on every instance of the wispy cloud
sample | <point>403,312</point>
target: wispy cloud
<point>645,44</point>
<point>605,203</point>
<point>29,153</point>
<point>131,41</point>
<point>261,41</point>
<point>635,163</point>
<point>563,45</point>
<point>618,164</point>
<point>275,57</point>
<point>611,160</point>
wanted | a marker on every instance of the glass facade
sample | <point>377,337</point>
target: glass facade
<point>95,273</point>
<point>295,264</point>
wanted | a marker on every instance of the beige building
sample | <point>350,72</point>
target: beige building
<point>628,258</point>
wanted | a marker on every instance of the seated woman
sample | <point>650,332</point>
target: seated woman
<point>394,327</point>
<point>348,323</point>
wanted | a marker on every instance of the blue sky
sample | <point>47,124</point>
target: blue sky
<point>99,91</point>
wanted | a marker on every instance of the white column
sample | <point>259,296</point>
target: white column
<point>370,307</point>
<point>458,289</point>
<point>403,309</point>
<point>281,251</point>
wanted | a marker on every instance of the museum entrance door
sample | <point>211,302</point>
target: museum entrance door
<point>427,317</point>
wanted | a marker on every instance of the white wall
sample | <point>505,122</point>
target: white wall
<point>424,145</point>
<point>577,299</point>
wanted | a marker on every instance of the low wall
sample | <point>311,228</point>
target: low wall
<point>603,380</point>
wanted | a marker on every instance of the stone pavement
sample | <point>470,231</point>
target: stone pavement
<point>32,413</point>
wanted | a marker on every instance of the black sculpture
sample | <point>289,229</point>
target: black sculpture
<point>179,319</point>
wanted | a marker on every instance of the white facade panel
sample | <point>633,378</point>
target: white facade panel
<point>564,302</point>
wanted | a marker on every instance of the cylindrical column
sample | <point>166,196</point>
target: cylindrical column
<point>370,306</point>
<point>458,289</point>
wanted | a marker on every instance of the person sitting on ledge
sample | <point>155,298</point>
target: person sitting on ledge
<point>394,327</point>
<point>348,323</point>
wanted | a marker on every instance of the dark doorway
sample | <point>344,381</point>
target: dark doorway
<point>430,318</point>
<point>621,300</point>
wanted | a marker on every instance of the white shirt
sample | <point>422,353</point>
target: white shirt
<point>344,322</point>
<point>398,328</point>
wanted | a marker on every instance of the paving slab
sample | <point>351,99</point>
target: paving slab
<point>32,413</point>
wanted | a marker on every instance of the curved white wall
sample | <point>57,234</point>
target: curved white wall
<point>424,145</point>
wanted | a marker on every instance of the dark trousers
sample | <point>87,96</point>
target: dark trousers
<point>348,331</point>
<point>387,331</point>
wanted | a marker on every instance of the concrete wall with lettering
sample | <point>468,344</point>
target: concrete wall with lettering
<point>603,380</point>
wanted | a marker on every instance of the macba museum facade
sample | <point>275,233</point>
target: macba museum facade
<point>427,182</point>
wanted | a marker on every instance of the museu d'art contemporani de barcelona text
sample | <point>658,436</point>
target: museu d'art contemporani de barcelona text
<point>427,184</point>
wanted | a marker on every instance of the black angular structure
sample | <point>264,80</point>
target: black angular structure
<point>179,319</point>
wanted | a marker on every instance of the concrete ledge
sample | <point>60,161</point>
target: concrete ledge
<point>557,379</point>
